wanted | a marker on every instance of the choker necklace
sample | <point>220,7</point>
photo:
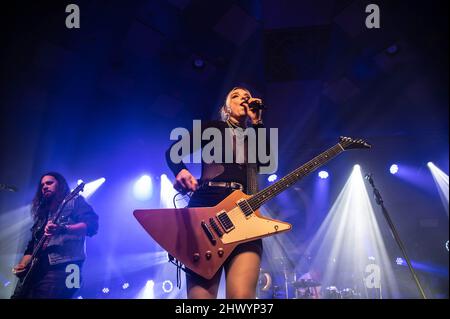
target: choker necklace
<point>233,125</point>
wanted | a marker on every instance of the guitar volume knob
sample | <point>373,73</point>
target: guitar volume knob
<point>196,257</point>
<point>220,252</point>
<point>208,254</point>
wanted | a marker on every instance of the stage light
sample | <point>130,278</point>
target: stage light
<point>400,261</point>
<point>198,63</point>
<point>272,178</point>
<point>79,181</point>
<point>446,245</point>
<point>437,270</point>
<point>143,188</point>
<point>391,50</point>
<point>167,286</point>
<point>79,297</point>
<point>441,180</point>
<point>168,193</point>
<point>323,174</point>
<point>125,285</point>
<point>393,169</point>
<point>105,290</point>
<point>91,187</point>
<point>147,292</point>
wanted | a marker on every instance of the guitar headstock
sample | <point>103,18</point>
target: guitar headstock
<point>349,143</point>
<point>75,192</point>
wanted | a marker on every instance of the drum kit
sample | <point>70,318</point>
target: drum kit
<point>286,284</point>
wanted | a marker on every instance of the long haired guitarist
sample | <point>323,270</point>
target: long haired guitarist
<point>219,180</point>
<point>64,244</point>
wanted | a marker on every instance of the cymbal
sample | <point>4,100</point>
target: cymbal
<point>302,283</point>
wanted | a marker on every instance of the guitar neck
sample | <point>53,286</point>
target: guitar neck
<point>44,238</point>
<point>287,181</point>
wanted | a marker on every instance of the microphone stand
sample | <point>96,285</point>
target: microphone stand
<point>379,201</point>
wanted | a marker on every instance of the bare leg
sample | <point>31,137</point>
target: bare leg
<point>201,288</point>
<point>242,271</point>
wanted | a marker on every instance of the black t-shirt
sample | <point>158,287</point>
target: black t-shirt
<point>236,171</point>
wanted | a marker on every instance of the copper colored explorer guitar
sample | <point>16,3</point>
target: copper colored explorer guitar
<point>202,238</point>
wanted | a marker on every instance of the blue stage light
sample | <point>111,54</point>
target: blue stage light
<point>167,286</point>
<point>272,178</point>
<point>400,261</point>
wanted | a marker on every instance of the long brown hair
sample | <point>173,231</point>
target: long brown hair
<point>39,206</point>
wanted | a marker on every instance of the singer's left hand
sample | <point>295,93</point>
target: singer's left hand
<point>253,114</point>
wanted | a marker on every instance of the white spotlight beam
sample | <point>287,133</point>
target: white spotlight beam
<point>148,291</point>
<point>346,242</point>
<point>441,180</point>
<point>91,187</point>
<point>167,194</point>
<point>143,188</point>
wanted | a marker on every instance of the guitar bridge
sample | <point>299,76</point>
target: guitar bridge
<point>225,221</point>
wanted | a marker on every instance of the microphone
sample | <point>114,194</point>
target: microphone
<point>259,105</point>
<point>7,187</point>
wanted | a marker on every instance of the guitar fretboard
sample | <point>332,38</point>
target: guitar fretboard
<point>287,181</point>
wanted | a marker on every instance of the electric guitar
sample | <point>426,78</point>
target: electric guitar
<point>26,275</point>
<point>202,238</point>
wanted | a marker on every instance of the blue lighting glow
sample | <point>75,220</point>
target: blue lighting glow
<point>272,178</point>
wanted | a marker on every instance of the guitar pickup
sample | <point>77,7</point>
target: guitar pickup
<point>208,233</point>
<point>225,221</point>
<point>215,227</point>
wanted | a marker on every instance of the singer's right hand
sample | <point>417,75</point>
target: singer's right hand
<point>185,182</point>
<point>253,114</point>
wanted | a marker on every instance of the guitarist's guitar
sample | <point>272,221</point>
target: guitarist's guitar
<point>26,276</point>
<point>202,238</point>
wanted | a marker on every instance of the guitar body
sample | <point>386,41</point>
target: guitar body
<point>181,233</point>
<point>203,238</point>
<point>22,287</point>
